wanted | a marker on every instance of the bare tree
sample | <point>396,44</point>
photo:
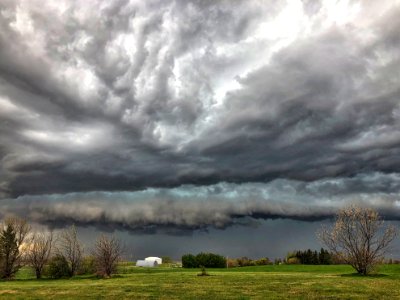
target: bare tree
<point>358,237</point>
<point>71,248</point>
<point>12,236</point>
<point>38,251</point>
<point>107,252</point>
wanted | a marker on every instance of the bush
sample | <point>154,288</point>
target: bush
<point>58,267</point>
<point>245,262</point>
<point>88,266</point>
<point>203,272</point>
<point>263,261</point>
<point>210,260</point>
<point>290,255</point>
<point>166,259</point>
<point>189,261</point>
<point>293,261</point>
<point>232,263</point>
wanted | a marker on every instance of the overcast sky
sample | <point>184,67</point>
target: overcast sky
<point>183,125</point>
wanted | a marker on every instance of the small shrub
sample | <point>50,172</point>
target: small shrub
<point>232,263</point>
<point>166,259</point>
<point>58,267</point>
<point>203,272</point>
<point>263,261</point>
<point>293,261</point>
<point>88,266</point>
<point>245,262</point>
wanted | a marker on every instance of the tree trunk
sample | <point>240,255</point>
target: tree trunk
<point>38,274</point>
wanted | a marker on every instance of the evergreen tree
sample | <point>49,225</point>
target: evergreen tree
<point>309,257</point>
<point>324,257</point>
<point>9,253</point>
<point>315,258</point>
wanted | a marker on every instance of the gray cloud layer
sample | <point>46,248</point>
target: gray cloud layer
<point>186,208</point>
<point>117,96</point>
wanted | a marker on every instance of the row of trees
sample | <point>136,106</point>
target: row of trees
<point>63,254</point>
<point>309,257</point>
<point>211,260</point>
<point>245,262</point>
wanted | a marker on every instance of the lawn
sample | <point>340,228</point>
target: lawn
<point>263,282</point>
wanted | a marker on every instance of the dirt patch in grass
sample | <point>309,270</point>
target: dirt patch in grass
<point>2,292</point>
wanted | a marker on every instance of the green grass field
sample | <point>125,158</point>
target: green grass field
<point>263,282</point>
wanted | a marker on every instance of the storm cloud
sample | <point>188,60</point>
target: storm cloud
<point>186,208</point>
<point>186,115</point>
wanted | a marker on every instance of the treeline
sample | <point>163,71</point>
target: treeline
<point>309,257</point>
<point>246,262</point>
<point>54,256</point>
<point>211,260</point>
<point>306,257</point>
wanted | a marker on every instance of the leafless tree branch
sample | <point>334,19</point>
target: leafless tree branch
<point>107,252</point>
<point>71,248</point>
<point>39,251</point>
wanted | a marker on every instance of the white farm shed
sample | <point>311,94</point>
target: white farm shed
<point>146,263</point>
<point>153,258</point>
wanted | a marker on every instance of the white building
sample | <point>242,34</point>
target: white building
<point>146,263</point>
<point>153,258</point>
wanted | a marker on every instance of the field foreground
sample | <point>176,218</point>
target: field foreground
<point>263,282</point>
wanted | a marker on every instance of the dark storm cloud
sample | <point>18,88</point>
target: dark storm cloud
<point>187,208</point>
<point>310,113</point>
<point>92,88</point>
<point>124,95</point>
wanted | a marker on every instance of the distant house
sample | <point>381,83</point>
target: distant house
<point>149,262</point>
<point>146,263</point>
<point>152,258</point>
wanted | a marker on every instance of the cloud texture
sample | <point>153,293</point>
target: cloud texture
<point>110,109</point>
<point>186,208</point>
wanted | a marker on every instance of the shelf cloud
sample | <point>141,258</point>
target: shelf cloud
<point>187,208</point>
